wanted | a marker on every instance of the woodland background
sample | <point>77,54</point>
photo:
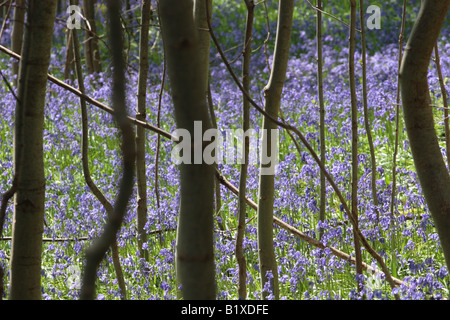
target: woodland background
<point>94,208</point>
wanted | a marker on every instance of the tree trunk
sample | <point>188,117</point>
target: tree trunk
<point>194,248</point>
<point>430,166</point>
<point>242,204</point>
<point>140,132</point>
<point>25,281</point>
<point>91,51</point>
<point>322,114</point>
<point>17,33</point>
<point>96,252</point>
<point>373,162</point>
<point>85,158</point>
<point>354,119</point>
<point>437,61</point>
<point>68,65</point>
<point>272,94</point>
<point>397,121</point>
<point>202,12</point>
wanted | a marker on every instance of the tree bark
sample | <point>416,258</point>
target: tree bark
<point>96,252</point>
<point>91,51</point>
<point>322,113</point>
<point>194,246</point>
<point>140,132</point>
<point>242,204</point>
<point>354,120</point>
<point>430,166</point>
<point>202,13</point>
<point>17,33</point>
<point>85,160</point>
<point>397,120</point>
<point>437,61</point>
<point>272,95</point>
<point>28,222</point>
<point>373,162</point>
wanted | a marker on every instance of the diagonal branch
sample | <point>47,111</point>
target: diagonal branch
<point>303,236</point>
<point>94,102</point>
<point>302,138</point>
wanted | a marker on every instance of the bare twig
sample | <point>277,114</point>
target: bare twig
<point>330,15</point>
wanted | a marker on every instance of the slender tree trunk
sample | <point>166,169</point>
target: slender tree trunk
<point>354,119</point>
<point>17,33</point>
<point>444,103</point>
<point>430,166</point>
<point>140,132</point>
<point>158,144</point>
<point>242,208</point>
<point>322,113</point>
<point>397,117</point>
<point>272,94</point>
<point>68,65</point>
<point>91,51</point>
<point>96,252</point>
<point>373,161</point>
<point>25,275</point>
<point>393,204</point>
<point>85,161</point>
<point>202,12</point>
<point>194,248</point>
<point>316,158</point>
<point>218,196</point>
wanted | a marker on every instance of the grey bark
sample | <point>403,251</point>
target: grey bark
<point>266,193</point>
<point>28,221</point>
<point>194,246</point>
<point>430,166</point>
